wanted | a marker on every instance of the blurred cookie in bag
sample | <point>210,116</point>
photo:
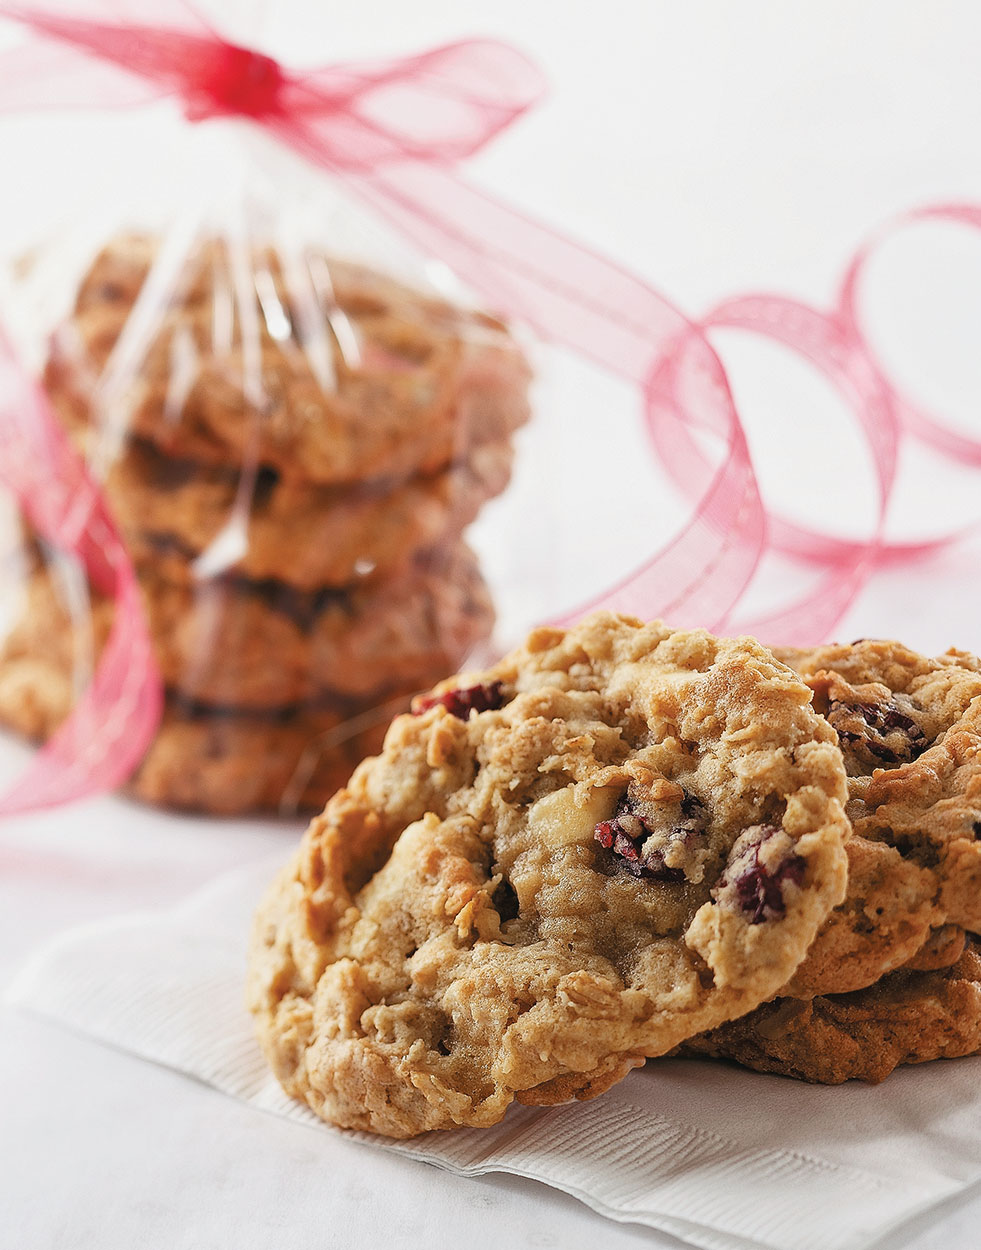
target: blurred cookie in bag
<point>909,729</point>
<point>323,370</point>
<point>264,644</point>
<point>245,522</point>
<point>212,760</point>
<point>230,763</point>
<point>238,644</point>
<point>209,757</point>
<point>907,1017</point>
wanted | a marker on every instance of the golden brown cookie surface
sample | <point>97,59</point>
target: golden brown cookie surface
<point>217,759</point>
<point>228,764</point>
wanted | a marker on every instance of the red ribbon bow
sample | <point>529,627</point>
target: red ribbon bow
<point>393,132</point>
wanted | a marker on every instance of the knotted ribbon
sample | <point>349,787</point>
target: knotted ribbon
<point>393,133</point>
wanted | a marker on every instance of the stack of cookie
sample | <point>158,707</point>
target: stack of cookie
<point>624,842</point>
<point>895,974</point>
<point>292,447</point>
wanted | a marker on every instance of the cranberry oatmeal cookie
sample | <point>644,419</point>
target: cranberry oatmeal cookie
<point>910,734</point>
<point>259,646</point>
<point>306,535</point>
<point>577,859</point>
<point>332,374</point>
<point>213,758</point>
<point>230,763</point>
<point>907,1017</point>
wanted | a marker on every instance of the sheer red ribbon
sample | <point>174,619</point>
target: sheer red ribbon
<point>393,132</point>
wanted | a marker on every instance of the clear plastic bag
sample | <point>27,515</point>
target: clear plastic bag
<point>292,425</point>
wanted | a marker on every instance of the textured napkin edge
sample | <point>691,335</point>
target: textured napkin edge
<point>659,1171</point>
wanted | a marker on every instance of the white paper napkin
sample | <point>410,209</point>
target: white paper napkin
<point>721,1158</point>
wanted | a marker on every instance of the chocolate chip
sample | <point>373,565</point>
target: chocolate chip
<point>879,722</point>
<point>505,901</point>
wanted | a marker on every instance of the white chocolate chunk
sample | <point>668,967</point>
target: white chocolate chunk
<point>558,820</point>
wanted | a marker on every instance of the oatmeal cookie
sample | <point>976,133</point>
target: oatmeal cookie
<point>909,728</point>
<point>250,645</point>
<point>555,868</point>
<point>338,376</point>
<point>211,760</point>
<point>305,535</point>
<point>943,947</point>
<point>907,1017</point>
<point>232,763</point>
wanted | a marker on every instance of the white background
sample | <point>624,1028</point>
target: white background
<point>718,147</point>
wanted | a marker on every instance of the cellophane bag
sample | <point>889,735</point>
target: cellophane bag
<point>293,420</point>
<point>267,436</point>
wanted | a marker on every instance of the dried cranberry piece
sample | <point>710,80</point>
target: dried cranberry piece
<point>893,718</point>
<point>759,889</point>
<point>484,697</point>
<point>628,829</point>
<point>882,719</point>
<point>877,749</point>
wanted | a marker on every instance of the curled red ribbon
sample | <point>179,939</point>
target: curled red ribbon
<point>393,132</point>
<point>110,727</point>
